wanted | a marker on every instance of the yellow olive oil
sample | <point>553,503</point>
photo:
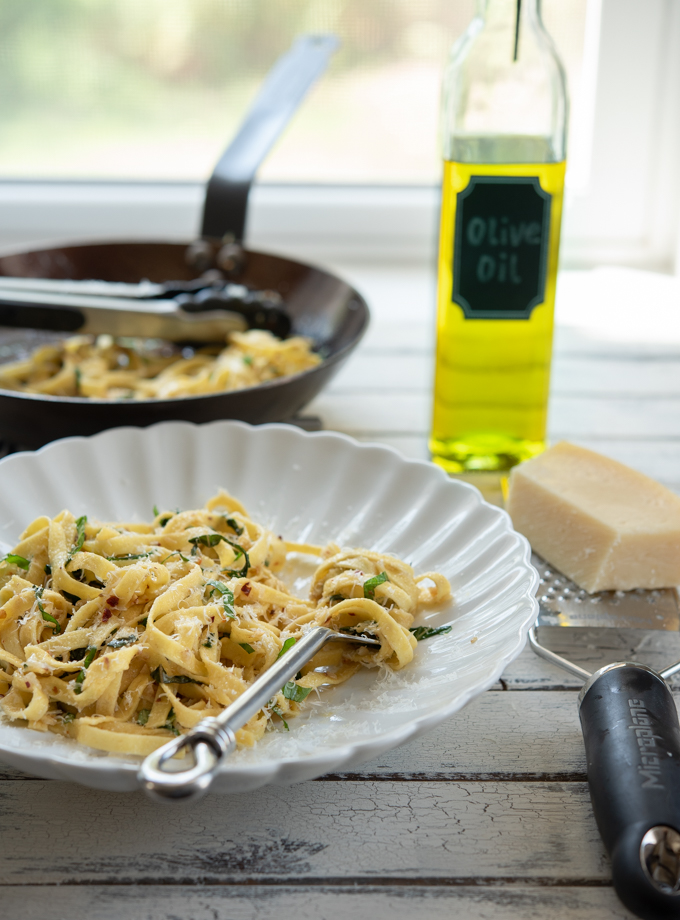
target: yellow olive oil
<point>498,250</point>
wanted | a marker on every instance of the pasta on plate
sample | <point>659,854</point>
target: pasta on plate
<point>103,368</point>
<point>122,635</point>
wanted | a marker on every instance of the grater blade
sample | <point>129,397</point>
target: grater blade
<point>563,603</point>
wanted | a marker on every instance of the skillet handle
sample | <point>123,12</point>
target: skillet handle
<point>226,200</point>
<point>632,740</point>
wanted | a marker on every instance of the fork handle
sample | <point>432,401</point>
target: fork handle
<point>632,740</point>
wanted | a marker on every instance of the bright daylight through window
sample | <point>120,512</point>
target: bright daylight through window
<point>122,89</point>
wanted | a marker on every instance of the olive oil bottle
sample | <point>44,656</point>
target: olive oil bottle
<point>504,127</point>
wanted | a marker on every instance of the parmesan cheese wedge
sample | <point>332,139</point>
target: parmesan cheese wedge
<point>604,525</point>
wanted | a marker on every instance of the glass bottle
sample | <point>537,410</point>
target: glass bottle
<point>504,140</point>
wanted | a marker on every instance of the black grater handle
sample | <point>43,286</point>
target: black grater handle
<point>632,740</point>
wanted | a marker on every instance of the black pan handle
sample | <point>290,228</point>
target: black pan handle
<point>226,199</point>
<point>632,739</point>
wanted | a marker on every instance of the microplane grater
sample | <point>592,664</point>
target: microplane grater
<point>562,603</point>
<point>632,738</point>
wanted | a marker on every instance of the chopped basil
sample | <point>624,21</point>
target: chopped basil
<point>77,373</point>
<point>72,598</point>
<point>248,359</point>
<point>156,512</point>
<point>127,557</point>
<point>426,632</point>
<point>209,643</point>
<point>289,643</point>
<point>68,717</point>
<point>372,584</point>
<point>80,538</point>
<point>45,615</point>
<point>277,710</point>
<point>235,526</point>
<point>77,654</point>
<point>19,561</point>
<point>247,648</point>
<point>212,539</point>
<point>89,658</point>
<point>161,677</point>
<point>143,716</point>
<point>48,569</point>
<point>170,724</point>
<point>144,622</point>
<point>176,553</point>
<point>122,641</point>
<point>337,597</point>
<point>227,596</point>
<point>295,692</point>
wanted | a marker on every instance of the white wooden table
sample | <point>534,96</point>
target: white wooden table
<point>488,816</point>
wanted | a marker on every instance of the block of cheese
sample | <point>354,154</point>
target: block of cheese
<point>604,525</point>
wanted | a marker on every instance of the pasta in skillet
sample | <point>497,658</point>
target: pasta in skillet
<point>123,634</point>
<point>105,369</point>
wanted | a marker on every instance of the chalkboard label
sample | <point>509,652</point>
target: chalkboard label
<point>501,246</point>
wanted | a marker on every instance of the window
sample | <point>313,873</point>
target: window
<point>141,94</point>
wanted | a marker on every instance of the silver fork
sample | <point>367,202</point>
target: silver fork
<point>214,738</point>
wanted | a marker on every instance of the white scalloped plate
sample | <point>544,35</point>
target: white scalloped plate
<point>307,487</point>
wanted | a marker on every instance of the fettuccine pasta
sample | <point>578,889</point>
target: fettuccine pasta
<point>103,368</point>
<point>122,635</point>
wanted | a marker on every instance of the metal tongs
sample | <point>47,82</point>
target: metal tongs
<point>213,739</point>
<point>204,310</point>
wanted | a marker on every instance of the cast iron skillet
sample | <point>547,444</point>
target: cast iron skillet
<point>320,305</point>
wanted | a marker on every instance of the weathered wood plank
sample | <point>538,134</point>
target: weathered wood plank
<point>361,902</point>
<point>543,832</point>
<point>592,649</point>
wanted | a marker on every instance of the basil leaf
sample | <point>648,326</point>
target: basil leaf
<point>237,573</point>
<point>277,710</point>
<point>89,658</point>
<point>68,717</point>
<point>289,643</point>
<point>161,677</point>
<point>77,654</point>
<point>247,648</point>
<point>80,538</point>
<point>427,632</point>
<point>19,561</point>
<point>208,539</point>
<point>235,526</point>
<point>122,641</point>
<point>295,692</point>
<point>170,724</point>
<point>176,553</point>
<point>72,598</point>
<point>372,584</point>
<point>143,716</point>
<point>156,512</point>
<point>127,557</point>
<point>227,597</point>
<point>45,615</point>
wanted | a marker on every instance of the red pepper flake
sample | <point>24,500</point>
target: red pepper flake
<point>106,616</point>
<point>112,601</point>
<point>28,684</point>
<point>246,589</point>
